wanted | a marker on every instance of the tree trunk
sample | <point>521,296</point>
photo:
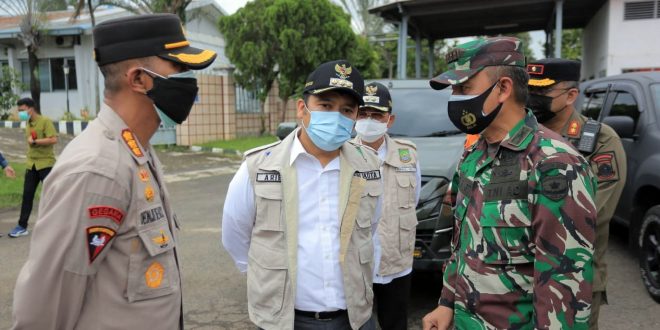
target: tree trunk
<point>284,108</point>
<point>35,86</point>
<point>90,8</point>
<point>264,117</point>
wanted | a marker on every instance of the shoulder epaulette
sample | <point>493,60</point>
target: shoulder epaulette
<point>260,148</point>
<point>406,143</point>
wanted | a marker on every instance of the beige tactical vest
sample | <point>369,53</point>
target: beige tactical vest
<point>397,227</point>
<point>272,258</point>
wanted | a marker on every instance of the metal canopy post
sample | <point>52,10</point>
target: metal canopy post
<point>559,16</point>
<point>418,55</point>
<point>431,68</point>
<point>403,49</point>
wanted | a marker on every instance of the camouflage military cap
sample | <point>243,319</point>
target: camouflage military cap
<point>469,58</point>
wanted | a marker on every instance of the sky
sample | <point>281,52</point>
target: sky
<point>538,37</point>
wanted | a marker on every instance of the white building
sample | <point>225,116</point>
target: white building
<point>71,41</point>
<point>623,36</point>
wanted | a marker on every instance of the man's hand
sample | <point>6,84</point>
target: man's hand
<point>9,172</point>
<point>441,319</point>
<point>30,140</point>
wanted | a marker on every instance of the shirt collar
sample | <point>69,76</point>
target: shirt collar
<point>521,134</point>
<point>296,150</point>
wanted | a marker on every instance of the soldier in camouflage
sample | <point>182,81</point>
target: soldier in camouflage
<point>553,88</point>
<point>523,204</point>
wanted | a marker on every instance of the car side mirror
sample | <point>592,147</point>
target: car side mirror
<point>624,126</point>
<point>283,129</point>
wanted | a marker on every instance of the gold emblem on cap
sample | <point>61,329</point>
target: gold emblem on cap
<point>371,90</point>
<point>343,72</point>
<point>335,82</point>
<point>468,119</point>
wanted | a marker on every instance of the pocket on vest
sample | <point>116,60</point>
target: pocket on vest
<point>266,279</point>
<point>269,207</point>
<point>406,183</point>
<point>407,230</point>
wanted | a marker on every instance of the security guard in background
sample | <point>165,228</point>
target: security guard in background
<point>402,181</point>
<point>300,214</point>
<point>553,87</point>
<point>104,251</point>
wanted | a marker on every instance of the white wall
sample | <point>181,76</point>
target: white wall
<point>53,105</point>
<point>595,42</point>
<point>633,44</point>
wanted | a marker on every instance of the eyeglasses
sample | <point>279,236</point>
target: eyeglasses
<point>379,116</point>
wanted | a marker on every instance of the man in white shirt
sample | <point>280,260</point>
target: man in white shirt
<point>395,241</point>
<point>300,214</point>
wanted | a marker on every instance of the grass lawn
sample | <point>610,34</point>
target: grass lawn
<point>242,144</point>
<point>11,190</point>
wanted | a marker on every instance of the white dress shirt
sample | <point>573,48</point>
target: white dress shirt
<point>382,153</point>
<point>319,284</point>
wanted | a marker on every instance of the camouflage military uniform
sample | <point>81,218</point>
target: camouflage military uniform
<point>523,234</point>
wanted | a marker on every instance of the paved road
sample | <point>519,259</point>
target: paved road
<point>214,292</point>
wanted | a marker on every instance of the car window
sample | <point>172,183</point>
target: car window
<point>420,112</point>
<point>592,107</point>
<point>655,90</point>
<point>625,105</point>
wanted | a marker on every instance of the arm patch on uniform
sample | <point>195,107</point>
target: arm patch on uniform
<point>554,187</point>
<point>605,166</point>
<point>105,211</point>
<point>98,238</point>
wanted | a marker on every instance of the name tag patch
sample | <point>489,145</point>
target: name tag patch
<point>269,177</point>
<point>152,215</point>
<point>369,175</point>
<point>406,169</point>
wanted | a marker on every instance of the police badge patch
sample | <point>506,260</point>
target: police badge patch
<point>605,166</point>
<point>554,187</point>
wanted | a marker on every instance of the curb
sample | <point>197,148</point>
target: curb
<point>64,127</point>
<point>227,152</point>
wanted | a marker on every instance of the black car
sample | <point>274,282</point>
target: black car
<point>630,104</point>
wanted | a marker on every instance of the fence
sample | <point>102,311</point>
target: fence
<point>225,111</point>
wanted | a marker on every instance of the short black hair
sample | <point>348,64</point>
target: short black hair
<point>113,72</point>
<point>520,79</point>
<point>26,101</point>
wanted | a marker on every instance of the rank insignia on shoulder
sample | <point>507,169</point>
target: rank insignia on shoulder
<point>369,175</point>
<point>404,155</point>
<point>105,211</point>
<point>606,167</point>
<point>153,277</point>
<point>573,129</point>
<point>143,174</point>
<point>269,177</point>
<point>98,238</point>
<point>149,193</point>
<point>132,144</point>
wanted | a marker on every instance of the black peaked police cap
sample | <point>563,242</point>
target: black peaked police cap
<point>336,75</point>
<point>140,36</point>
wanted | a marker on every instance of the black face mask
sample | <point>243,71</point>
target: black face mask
<point>541,107</point>
<point>466,112</point>
<point>174,96</point>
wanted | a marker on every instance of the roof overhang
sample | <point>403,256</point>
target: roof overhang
<point>440,19</point>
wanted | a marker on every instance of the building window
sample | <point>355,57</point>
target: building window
<point>634,10</point>
<point>51,74</point>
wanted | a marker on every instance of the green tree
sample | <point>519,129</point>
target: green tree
<point>526,39</point>
<point>571,45</point>
<point>285,40</point>
<point>9,83</point>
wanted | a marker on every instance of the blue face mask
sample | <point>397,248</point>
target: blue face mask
<point>328,129</point>
<point>23,115</point>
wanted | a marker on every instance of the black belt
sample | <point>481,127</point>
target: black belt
<point>322,315</point>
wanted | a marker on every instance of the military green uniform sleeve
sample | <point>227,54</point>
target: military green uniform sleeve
<point>563,223</point>
<point>449,269</point>
<point>79,216</point>
<point>49,128</point>
<point>608,163</point>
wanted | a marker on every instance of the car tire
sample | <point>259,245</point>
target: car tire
<point>649,253</point>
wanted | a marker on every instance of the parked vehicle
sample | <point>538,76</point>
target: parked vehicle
<point>630,104</point>
<point>421,117</point>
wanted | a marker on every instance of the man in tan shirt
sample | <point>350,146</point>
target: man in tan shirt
<point>104,253</point>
